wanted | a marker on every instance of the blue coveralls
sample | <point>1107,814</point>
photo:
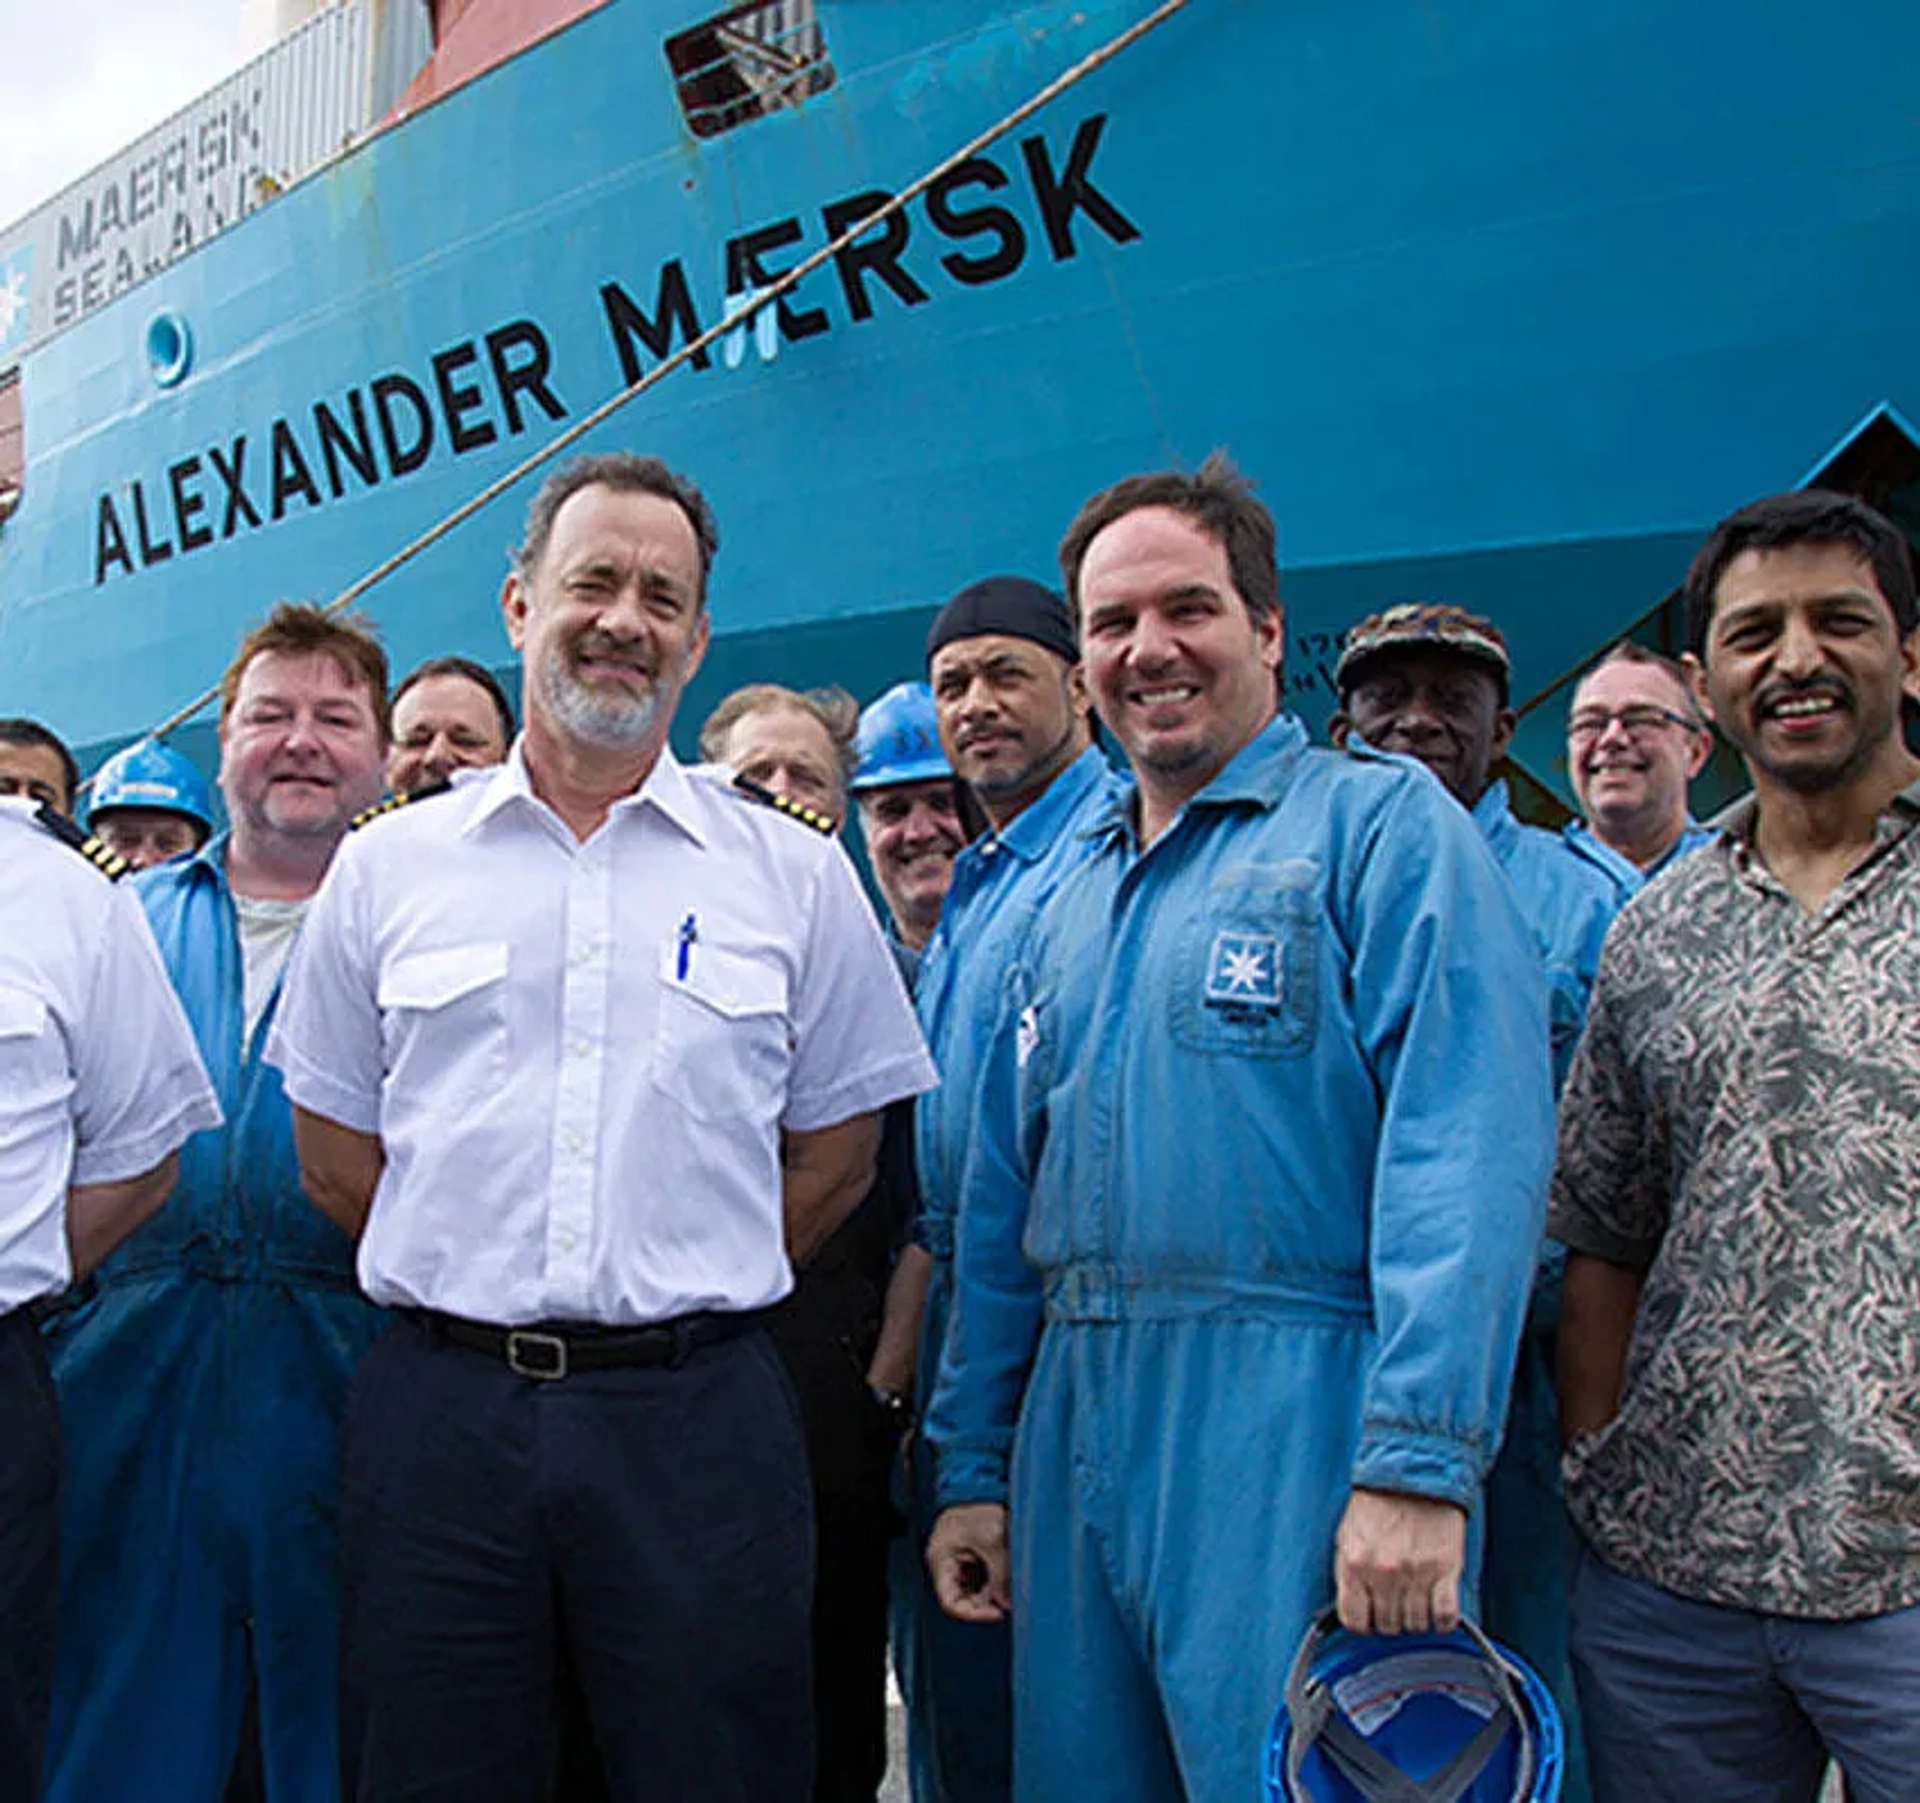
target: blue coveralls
<point>1277,1123</point>
<point>201,1382</point>
<point>1627,876</point>
<point>955,1676</point>
<point>1568,902</point>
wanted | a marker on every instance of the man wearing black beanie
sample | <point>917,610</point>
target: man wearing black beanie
<point>1015,723</point>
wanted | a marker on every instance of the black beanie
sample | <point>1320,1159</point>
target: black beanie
<point>1010,606</point>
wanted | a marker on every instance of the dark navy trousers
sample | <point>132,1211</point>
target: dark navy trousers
<point>29,1550</point>
<point>652,1526</point>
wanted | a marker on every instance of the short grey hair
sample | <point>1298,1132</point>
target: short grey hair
<point>625,472</point>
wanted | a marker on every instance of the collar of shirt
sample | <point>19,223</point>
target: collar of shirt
<point>1736,824</point>
<point>1255,776</point>
<point>1493,815</point>
<point>1033,833</point>
<point>666,788</point>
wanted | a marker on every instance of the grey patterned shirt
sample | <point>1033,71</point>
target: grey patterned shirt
<point>1742,1123</point>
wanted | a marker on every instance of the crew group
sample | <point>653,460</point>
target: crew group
<point>456,1429</point>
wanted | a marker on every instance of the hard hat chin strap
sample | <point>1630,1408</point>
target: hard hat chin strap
<point>1317,1721</point>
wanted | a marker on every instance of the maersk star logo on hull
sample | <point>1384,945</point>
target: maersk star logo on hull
<point>16,296</point>
<point>1244,967</point>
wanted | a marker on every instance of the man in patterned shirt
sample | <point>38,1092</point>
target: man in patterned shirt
<point>1739,1181</point>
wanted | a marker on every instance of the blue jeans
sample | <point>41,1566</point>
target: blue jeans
<point>1685,1702</point>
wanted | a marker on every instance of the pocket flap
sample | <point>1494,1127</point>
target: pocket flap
<point>433,979</point>
<point>729,983</point>
<point>22,1016</point>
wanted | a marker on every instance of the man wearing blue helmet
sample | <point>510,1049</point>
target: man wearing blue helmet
<point>909,808</point>
<point>150,805</point>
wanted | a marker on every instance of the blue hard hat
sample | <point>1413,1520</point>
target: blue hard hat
<point>899,740</point>
<point>148,775</point>
<point>1371,1717</point>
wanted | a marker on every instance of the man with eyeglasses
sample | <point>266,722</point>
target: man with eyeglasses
<point>1431,682</point>
<point>1635,740</point>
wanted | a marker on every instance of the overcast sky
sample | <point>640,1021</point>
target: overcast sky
<point>80,79</point>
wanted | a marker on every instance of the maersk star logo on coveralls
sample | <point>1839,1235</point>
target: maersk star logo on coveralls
<point>16,294</point>
<point>1244,969</point>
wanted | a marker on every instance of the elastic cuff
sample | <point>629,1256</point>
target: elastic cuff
<point>1419,1464</point>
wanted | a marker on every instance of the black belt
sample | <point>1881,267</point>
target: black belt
<point>551,1350</point>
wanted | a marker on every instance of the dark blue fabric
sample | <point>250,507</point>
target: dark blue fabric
<point>1687,1702</point>
<point>29,1551</point>
<point>655,1522</point>
<point>956,1677</point>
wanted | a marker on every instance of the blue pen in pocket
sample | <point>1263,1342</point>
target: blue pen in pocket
<point>689,933</point>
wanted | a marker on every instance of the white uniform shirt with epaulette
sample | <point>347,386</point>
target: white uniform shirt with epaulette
<point>579,1056</point>
<point>99,1076</point>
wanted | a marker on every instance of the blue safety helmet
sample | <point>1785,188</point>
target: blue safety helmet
<point>899,740</point>
<point>1403,1718</point>
<point>148,775</point>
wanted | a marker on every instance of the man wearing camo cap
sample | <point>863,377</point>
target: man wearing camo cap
<point>1431,681</point>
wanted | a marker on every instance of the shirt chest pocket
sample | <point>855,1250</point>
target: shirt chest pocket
<point>33,1056</point>
<point>1247,964</point>
<point>443,1015</point>
<point>722,1048</point>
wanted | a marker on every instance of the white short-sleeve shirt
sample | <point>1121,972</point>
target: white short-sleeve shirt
<point>99,1075</point>
<point>579,1057</point>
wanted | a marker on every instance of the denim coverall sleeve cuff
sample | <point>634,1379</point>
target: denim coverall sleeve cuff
<point>969,1477</point>
<point>320,1094</point>
<point>1578,1233</point>
<point>1414,1462</point>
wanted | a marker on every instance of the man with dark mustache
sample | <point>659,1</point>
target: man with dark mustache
<point>1739,1182</point>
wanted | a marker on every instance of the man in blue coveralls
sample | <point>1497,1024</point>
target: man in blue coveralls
<point>1431,682</point>
<point>1013,718</point>
<point>203,1374</point>
<point>1248,1223</point>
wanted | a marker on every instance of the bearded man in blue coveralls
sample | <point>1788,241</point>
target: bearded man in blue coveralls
<point>1248,1225</point>
<point>203,1374</point>
<point>1013,718</point>
<point>1431,682</point>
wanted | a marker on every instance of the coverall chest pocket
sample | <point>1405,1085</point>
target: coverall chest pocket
<point>1246,980</point>
<point>444,1014</point>
<point>721,1051</point>
<point>33,1057</point>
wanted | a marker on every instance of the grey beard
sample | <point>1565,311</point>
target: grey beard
<point>609,719</point>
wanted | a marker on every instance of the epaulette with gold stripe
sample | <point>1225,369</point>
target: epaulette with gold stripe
<point>782,804</point>
<point>400,798</point>
<point>97,852</point>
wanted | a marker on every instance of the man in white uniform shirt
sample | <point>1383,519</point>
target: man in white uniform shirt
<point>100,1085</point>
<point>584,1051</point>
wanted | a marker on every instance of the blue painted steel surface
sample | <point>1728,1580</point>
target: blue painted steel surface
<point>1500,303</point>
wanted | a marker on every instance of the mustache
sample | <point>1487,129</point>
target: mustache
<point>596,643</point>
<point>1769,695</point>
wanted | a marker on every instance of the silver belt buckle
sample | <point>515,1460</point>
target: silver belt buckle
<point>541,1356</point>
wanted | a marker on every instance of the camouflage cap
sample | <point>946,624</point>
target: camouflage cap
<point>1411,625</point>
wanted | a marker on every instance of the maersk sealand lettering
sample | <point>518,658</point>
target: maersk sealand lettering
<point>482,389</point>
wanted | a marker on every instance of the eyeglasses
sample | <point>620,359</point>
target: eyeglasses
<point>1635,722</point>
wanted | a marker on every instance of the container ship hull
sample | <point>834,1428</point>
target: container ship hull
<point>1500,304</point>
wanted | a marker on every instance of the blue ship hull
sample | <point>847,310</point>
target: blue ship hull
<point>1500,303</point>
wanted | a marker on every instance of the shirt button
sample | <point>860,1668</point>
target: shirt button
<point>568,1239</point>
<point>573,1142</point>
<point>582,1048</point>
